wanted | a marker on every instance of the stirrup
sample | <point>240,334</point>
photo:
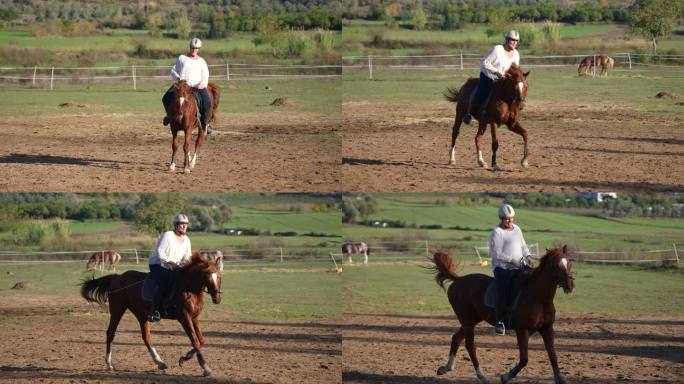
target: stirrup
<point>500,328</point>
<point>208,129</point>
<point>154,317</point>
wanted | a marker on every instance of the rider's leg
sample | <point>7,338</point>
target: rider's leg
<point>166,101</point>
<point>502,279</point>
<point>206,109</point>
<point>156,274</point>
<point>484,86</point>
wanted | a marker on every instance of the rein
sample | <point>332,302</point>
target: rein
<point>127,286</point>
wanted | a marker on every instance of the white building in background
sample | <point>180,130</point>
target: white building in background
<point>598,196</point>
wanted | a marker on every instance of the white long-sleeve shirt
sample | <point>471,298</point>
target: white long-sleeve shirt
<point>192,70</point>
<point>498,62</point>
<point>505,246</point>
<point>169,250</point>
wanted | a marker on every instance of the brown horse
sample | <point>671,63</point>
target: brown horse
<point>358,247</point>
<point>100,258</point>
<point>124,292</point>
<point>588,62</point>
<point>184,116</point>
<point>506,100</point>
<point>534,312</point>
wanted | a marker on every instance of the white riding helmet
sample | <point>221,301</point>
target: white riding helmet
<point>180,219</point>
<point>195,43</point>
<point>506,211</point>
<point>512,35</point>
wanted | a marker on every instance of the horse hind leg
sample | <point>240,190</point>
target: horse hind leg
<point>114,318</point>
<point>456,340</point>
<point>455,130</point>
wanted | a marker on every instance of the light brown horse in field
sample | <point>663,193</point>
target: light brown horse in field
<point>588,62</point>
<point>506,101</point>
<point>124,292</point>
<point>100,258</point>
<point>184,115</point>
<point>534,311</point>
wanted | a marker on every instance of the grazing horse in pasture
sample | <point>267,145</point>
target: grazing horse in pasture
<point>100,258</point>
<point>124,292</point>
<point>534,311</point>
<point>588,62</point>
<point>184,115</point>
<point>506,101</point>
<point>355,247</point>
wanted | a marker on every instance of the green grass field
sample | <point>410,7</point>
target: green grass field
<point>408,288</point>
<point>316,96</point>
<point>248,295</point>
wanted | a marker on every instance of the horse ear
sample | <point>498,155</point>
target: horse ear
<point>526,73</point>
<point>565,249</point>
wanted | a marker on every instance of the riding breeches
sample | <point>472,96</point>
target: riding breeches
<point>167,98</point>
<point>484,87</point>
<point>504,280</point>
<point>163,279</point>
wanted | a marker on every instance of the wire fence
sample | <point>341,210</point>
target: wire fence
<point>471,61</point>
<point>44,77</point>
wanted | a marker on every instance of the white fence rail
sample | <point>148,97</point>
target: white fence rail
<point>44,76</point>
<point>471,61</point>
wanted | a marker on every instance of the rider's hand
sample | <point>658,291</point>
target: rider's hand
<point>529,261</point>
<point>516,263</point>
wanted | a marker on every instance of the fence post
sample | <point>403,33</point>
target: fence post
<point>34,75</point>
<point>674,245</point>
<point>478,254</point>
<point>136,256</point>
<point>593,68</point>
<point>461,60</point>
<point>133,70</point>
<point>629,59</point>
<point>427,252</point>
<point>281,255</point>
<point>227,72</point>
<point>370,67</point>
<point>52,78</point>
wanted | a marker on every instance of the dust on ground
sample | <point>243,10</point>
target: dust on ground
<point>125,152</point>
<point>393,147</point>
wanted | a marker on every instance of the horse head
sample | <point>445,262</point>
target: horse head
<point>559,266</point>
<point>516,80</point>
<point>204,273</point>
<point>183,94</point>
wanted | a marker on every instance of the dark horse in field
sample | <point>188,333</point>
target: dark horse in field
<point>534,311</point>
<point>588,62</point>
<point>184,116</point>
<point>505,102</point>
<point>124,292</point>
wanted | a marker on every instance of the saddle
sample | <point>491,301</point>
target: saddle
<point>148,292</point>
<point>491,295</point>
<point>482,106</point>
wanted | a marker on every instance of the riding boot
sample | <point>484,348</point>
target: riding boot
<point>501,312</point>
<point>472,109</point>
<point>154,314</point>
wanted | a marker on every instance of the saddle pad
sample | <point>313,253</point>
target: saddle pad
<point>147,291</point>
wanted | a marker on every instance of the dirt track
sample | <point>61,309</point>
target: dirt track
<point>265,152</point>
<point>63,342</point>
<point>591,348</point>
<point>404,148</point>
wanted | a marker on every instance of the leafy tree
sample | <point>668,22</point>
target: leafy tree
<point>183,27</point>
<point>349,212</point>
<point>653,19</point>
<point>154,211</point>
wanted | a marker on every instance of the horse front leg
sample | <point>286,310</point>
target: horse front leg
<point>186,150</point>
<point>198,145</point>
<point>455,130</point>
<point>147,339</point>
<point>547,335</point>
<point>196,345</point>
<point>174,149</point>
<point>523,338</point>
<point>495,146</point>
<point>456,340</point>
<point>517,128</point>
<point>478,144</point>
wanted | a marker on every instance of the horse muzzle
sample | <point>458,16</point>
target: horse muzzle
<point>216,297</point>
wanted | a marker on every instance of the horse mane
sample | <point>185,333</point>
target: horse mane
<point>197,263</point>
<point>444,267</point>
<point>551,255</point>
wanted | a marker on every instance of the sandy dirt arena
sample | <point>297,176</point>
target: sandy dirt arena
<point>63,341</point>
<point>584,147</point>
<point>591,348</point>
<point>265,152</point>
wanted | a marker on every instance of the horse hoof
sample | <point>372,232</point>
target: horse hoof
<point>442,370</point>
<point>162,366</point>
<point>110,368</point>
<point>496,167</point>
<point>525,164</point>
<point>187,170</point>
<point>181,361</point>
<point>172,167</point>
<point>482,164</point>
<point>207,372</point>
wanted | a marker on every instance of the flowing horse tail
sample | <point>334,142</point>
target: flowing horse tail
<point>451,94</point>
<point>97,290</point>
<point>444,268</point>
